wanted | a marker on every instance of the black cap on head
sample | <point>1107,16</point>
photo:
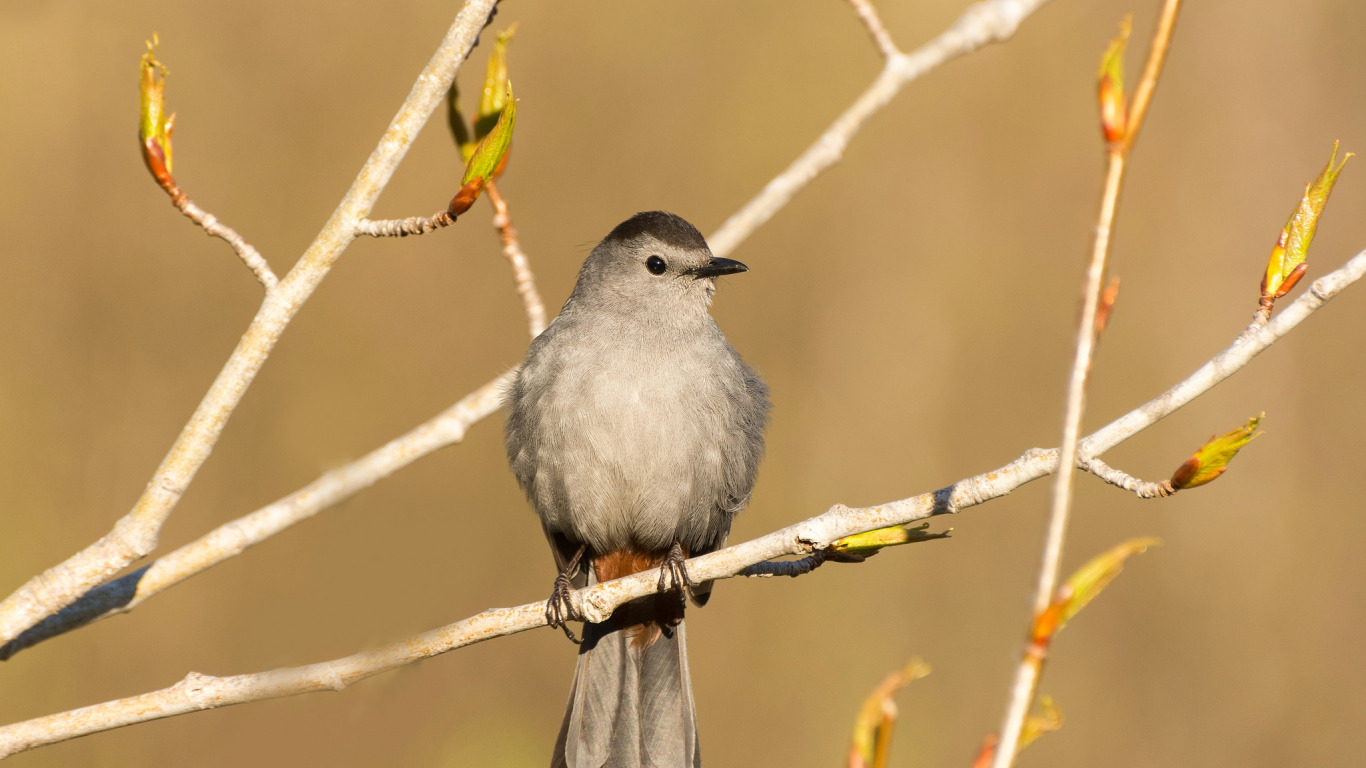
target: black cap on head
<point>664,227</point>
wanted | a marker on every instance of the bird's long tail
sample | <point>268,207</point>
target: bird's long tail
<point>631,704</point>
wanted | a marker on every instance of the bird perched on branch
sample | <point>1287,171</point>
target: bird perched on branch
<point>635,429</point>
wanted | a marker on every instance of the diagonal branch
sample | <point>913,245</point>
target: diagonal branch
<point>199,692</point>
<point>990,21</point>
<point>135,535</point>
<point>227,541</point>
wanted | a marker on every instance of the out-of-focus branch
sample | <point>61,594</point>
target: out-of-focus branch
<point>1152,71</point>
<point>873,23</point>
<point>990,21</point>
<point>521,266</point>
<point>596,603</point>
<point>135,535</point>
<point>128,592</point>
<point>1030,669</point>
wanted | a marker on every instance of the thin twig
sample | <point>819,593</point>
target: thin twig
<point>413,225</point>
<point>1143,489</point>
<point>135,535</point>
<point>198,692</point>
<point>990,21</point>
<point>521,266</point>
<point>1031,664</point>
<point>1152,70</point>
<point>873,23</point>
<point>215,228</point>
<point>233,538</point>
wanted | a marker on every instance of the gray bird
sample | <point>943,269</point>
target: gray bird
<point>635,430</point>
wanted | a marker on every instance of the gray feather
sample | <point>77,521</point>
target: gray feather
<point>629,707</point>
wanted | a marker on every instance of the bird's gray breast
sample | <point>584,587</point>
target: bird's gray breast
<point>632,441</point>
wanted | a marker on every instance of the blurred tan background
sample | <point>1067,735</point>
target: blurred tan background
<point>911,310</point>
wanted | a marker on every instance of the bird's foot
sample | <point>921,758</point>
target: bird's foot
<point>559,609</point>
<point>673,573</point>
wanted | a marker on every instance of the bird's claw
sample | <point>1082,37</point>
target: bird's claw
<point>559,609</point>
<point>673,573</point>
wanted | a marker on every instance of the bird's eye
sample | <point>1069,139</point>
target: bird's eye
<point>656,265</point>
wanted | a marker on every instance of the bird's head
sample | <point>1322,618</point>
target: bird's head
<point>652,263</point>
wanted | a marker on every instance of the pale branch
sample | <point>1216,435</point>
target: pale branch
<point>990,21</point>
<point>873,23</point>
<point>521,266</point>
<point>1143,489</point>
<point>198,692</point>
<point>215,228</point>
<point>1031,665</point>
<point>413,225</point>
<point>135,535</point>
<point>1030,669</point>
<point>231,539</point>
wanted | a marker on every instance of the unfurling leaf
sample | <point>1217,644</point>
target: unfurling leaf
<point>1213,457</point>
<point>876,718</point>
<point>154,128</point>
<point>487,159</point>
<point>1114,118</point>
<point>862,545</point>
<point>1083,586</point>
<point>495,95</point>
<point>1288,257</point>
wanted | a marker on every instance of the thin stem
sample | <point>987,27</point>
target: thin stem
<point>1031,665</point>
<point>873,23</point>
<point>1152,70</point>
<point>522,275</point>
<point>413,225</point>
<point>215,228</point>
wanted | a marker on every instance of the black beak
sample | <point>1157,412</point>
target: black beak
<point>717,267</point>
